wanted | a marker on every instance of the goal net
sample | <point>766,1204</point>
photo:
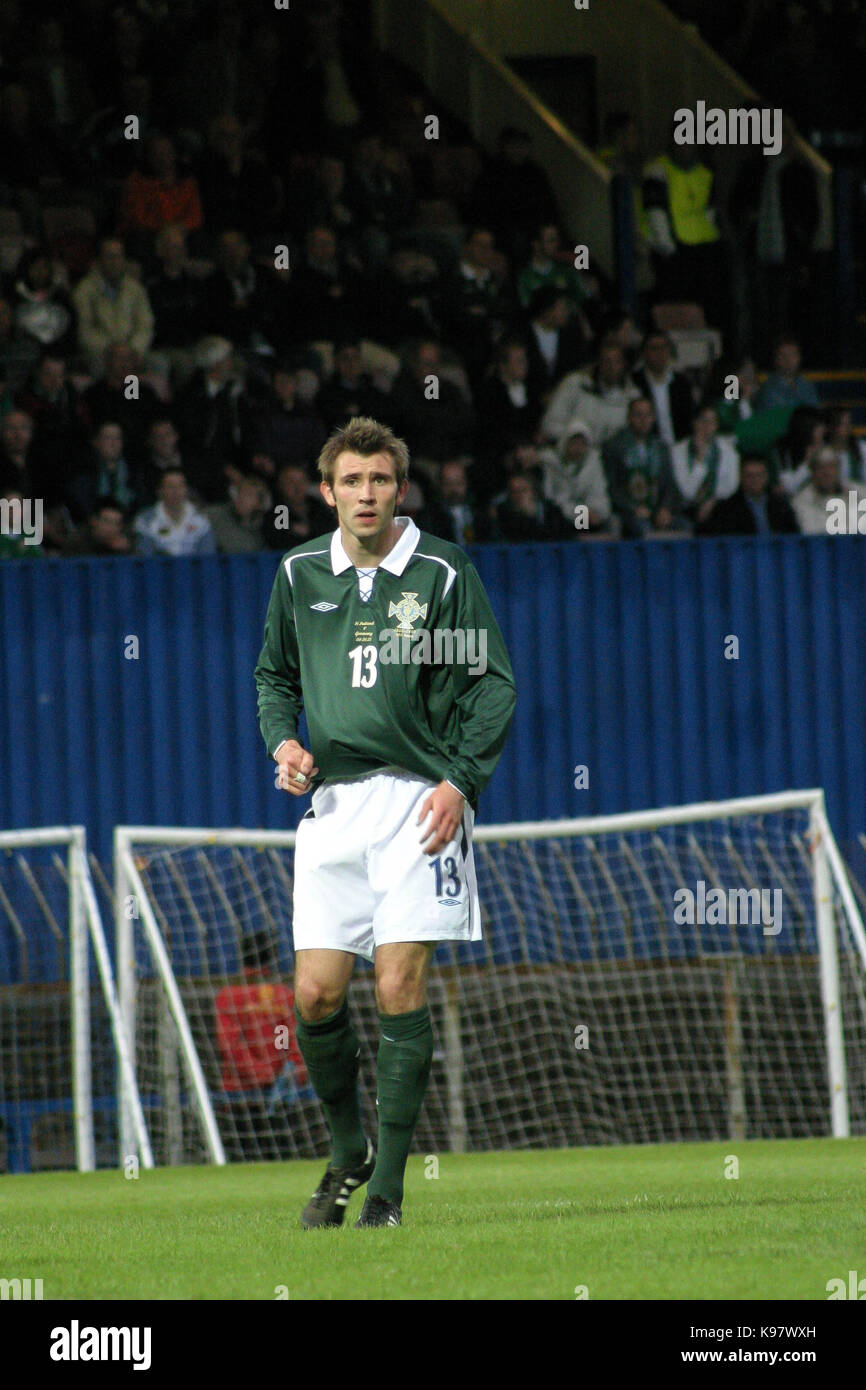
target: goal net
<point>692,973</point>
<point>63,1051</point>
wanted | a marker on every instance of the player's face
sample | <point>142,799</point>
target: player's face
<point>365,494</point>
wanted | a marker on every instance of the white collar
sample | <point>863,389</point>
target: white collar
<point>394,562</point>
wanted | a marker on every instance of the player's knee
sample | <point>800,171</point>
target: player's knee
<point>399,992</point>
<point>315,999</point>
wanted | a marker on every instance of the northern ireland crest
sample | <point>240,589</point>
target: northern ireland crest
<point>408,610</point>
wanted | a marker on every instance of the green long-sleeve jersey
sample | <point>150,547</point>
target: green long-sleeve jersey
<point>417,677</point>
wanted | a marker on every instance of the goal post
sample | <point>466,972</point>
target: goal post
<point>50,1039</point>
<point>692,972</point>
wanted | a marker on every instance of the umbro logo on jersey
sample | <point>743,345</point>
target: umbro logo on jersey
<point>323,607</point>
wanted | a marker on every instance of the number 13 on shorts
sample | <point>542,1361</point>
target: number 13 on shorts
<point>448,882</point>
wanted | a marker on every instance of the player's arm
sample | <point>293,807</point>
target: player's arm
<point>486,703</point>
<point>280,699</point>
<point>486,700</point>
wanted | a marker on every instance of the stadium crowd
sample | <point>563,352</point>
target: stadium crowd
<point>217,249</point>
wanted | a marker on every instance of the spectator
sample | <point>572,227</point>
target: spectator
<point>18,529</point>
<point>20,466</point>
<point>549,265</point>
<point>639,474</point>
<point>826,482</point>
<point>735,410</point>
<point>839,434</point>
<point>57,83</point>
<point>349,391</point>
<point>621,153</point>
<point>507,409</point>
<point>555,340</point>
<point>177,302</point>
<point>104,532</point>
<point>19,353</point>
<point>112,306</point>
<point>683,232</point>
<point>237,190</point>
<point>331,206</point>
<point>213,417</point>
<point>599,397</point>
<point>574,477</point>
<point>476,304</point>
<point>753,509</point>
<point>524,515</point>
<point>784,386</point>
<point>57,411</point>
<point>426,410</point>
<point>775,205</point>
<point>158,196</point>
<point>251,1018</point>
<point>43,308</point>
<point>792,458</point>
<point>326,295</point>
<point>669,391</point>
<point>120,395</point>
<point>163,453</point>
<point>706,467</point>
<point>240,297</point>
<point>282,429</point>
<point>173,526</point>
<point>618,326</point>
<point>461,525</point>
<point>514,194</point>
<point>238,524</point>
<point>106,474</point>
<point>380,191</point>
<point>407,298</point>
<point>298,513</point>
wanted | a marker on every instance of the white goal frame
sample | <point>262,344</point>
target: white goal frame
<point>829,873</point>
<point>84,919</point>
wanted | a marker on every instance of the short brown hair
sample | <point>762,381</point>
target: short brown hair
<point>365,437</point>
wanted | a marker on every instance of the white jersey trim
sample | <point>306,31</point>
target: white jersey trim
<point>289,558</point>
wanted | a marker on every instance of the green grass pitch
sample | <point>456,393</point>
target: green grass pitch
<point>646,1222</point>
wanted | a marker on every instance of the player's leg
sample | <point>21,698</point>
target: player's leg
<point>330,1048</point>
<point>404,1058</point>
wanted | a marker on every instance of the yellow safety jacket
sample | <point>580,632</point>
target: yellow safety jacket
<point>689,194</point>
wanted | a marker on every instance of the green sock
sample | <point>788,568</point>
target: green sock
<point>405,1055</point>
<point>330,1050</point>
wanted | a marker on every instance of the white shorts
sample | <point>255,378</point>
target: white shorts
<point>362,878</point>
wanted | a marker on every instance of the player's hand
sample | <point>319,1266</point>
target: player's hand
<point>292,761</point>
<point>445,803</point>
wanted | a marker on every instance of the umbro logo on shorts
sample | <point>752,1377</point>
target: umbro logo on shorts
<point>323,607</point>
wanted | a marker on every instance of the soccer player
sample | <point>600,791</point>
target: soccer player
<point>385,636</point>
